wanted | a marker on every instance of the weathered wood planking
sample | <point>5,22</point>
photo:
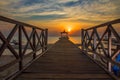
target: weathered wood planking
<point>64,61</point>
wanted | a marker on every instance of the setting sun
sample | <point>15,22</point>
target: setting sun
<point>69,29</point>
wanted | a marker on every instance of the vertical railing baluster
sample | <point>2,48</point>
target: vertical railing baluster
<point>82,39</point>
<point>20,47</point>
<point>109,47</point>
<point>86,41</point>
<point>34,43</point>
<point>46,38</point>
<point>42,40</point>
<point>94,42</point>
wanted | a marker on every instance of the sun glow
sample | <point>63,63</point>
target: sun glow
<point>69,28</point>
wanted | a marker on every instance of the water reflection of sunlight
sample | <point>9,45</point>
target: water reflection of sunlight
<point>52,39</point>
<point>76,40</point>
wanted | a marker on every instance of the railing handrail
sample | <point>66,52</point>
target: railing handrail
<point>104,24</point>
<point>92,39</point>
<point>37,39</point>
<point>2,18</point>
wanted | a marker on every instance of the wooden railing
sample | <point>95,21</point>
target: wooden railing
<point>102,43</point>
<point>36,42</point>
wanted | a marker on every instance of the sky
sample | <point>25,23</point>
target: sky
<point>59,15</point>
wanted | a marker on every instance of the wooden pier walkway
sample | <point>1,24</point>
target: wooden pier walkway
<point>64,61</point>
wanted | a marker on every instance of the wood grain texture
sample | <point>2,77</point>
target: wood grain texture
<point>64,61</point>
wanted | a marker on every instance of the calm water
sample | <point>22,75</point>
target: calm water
<point>75,39</point>
<point>51,40</point>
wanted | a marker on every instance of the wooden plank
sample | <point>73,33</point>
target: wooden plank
<point>81,76</point>
<point>62,79</point>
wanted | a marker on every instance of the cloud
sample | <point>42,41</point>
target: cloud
<point>65,1</point>
<point>46,17</point>
<point>69,10</point>
<point>93,10</point>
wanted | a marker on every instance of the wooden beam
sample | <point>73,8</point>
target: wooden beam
<point>2,18</point>
<point>105,24</point>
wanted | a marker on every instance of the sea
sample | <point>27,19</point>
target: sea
<point>74,39</point>
<point>51,40</point>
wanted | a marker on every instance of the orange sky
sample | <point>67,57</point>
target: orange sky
<point>56,27</point>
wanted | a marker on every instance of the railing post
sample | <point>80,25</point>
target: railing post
<point>109,48</point>
<point>94,42</point>
<point>46,38</point>
<point>34,44</point>
<point>42,40</point>
<point>20,47</point>
<point>82,39</point>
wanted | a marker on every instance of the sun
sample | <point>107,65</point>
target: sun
<point>69,29</point>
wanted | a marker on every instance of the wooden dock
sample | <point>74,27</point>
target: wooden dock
<point>64,61</point>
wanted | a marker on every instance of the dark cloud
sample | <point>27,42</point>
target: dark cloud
<point>47,17</point>
<point>72,3</point>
